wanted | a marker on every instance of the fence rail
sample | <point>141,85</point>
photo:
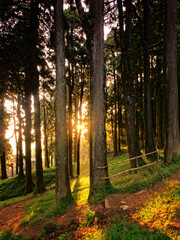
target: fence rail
<point>132,169</point>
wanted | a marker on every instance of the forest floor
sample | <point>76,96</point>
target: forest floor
<point>116,206</point>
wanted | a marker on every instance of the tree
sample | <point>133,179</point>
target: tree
<point>128,79</point>
<point>62,177</point>
<point>33,38</point>
<point>92,23</point>
<point>149,140</point>
<point>2,138</point>
<point>172,124</point>
<point>20,152</point>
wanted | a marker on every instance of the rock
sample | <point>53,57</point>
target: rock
<point>141,192</point>
<point>107,203</point>
<point>125,207</point>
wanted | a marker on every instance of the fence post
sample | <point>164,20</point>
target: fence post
<point>158,159</point>
<point>137,165</point>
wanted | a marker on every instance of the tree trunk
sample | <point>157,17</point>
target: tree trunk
<point>45,140</point>
<point>159,108</point>
<point>2,138</point>
<point>95,45</point>
<point>112,124</point>
<point>33,28</point>
<point>16,139</point>
<point>80,116</point>
<point>119,117</point>
<point>76,127</point>
<point>62,177</point>
<point>27,109</point>
<point>3,166</point>
<point>149,139</point>
<point>115,115</point>
<point>172,124</point>
<point>37,126</point>
<point>70,132</point>
<point>20,153</point>
<point>128,85</point>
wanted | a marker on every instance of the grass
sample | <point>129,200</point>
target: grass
<point>133,182</point>
<point>127,231</point>
<point>80,190</point>
<point>14,187</point>
<point>44,207</point>
<point>160,212</point>
<point>8,235</point>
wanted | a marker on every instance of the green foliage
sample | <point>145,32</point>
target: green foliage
<point>64,236</point>
<point>49,228</point>
<point>44,207</point>
<point>80,190</point>
<point>126,231</point>
<point>132,182</point>
<point>161,210</point>
<point>11,187</point>
<point>8,235</point>
<point>98,195</point>
<point>90,217</point>
<point>15,187</point>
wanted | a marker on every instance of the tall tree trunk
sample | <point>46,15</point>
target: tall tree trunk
<point>45,139</point>
<point>112,124</point>
<point>62,177</point>
<point>115,115</point>
<point>172,124</point>
<point>3,166</point>
<point>17,140</point>
<point>52,156</point>
<point>149,139</point>
<point>33,28</point>
<point>80,116</point>
<point>27,109</point>
<point>119,116</point>
<point>76,127</point>
<point>159,108</point>
<point>20,152</point>
<point>128,85</point>
<point>37,126</point>
<point>2,138</point>
<point>95,45</point>
<point>70,132</point>
<point>141,120</point>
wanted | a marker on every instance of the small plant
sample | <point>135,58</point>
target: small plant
<point>64,236</point>
<point>90,217</point>
<point>49,227</point>
<point>126,231</point>
<point>160,212</point>
<point>8,235</point>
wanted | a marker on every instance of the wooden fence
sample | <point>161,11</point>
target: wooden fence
<point>132,169</point>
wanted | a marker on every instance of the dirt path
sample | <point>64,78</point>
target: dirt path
<point>119,205</point>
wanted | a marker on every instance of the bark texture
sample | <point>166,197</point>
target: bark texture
<point>172,129</point>
<point>93,27</point>
<point>128,81</point>
<point>149,139</point>
<point>62,177</point>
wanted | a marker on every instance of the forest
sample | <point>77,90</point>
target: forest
<point>89,119</point>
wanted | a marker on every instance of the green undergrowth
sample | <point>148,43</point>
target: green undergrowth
<point>127,231</point>
<point>44,207</point>
<point>8,235</point>
<point>161,211</point>
<point>134,182</point>
<point>15,187</point>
